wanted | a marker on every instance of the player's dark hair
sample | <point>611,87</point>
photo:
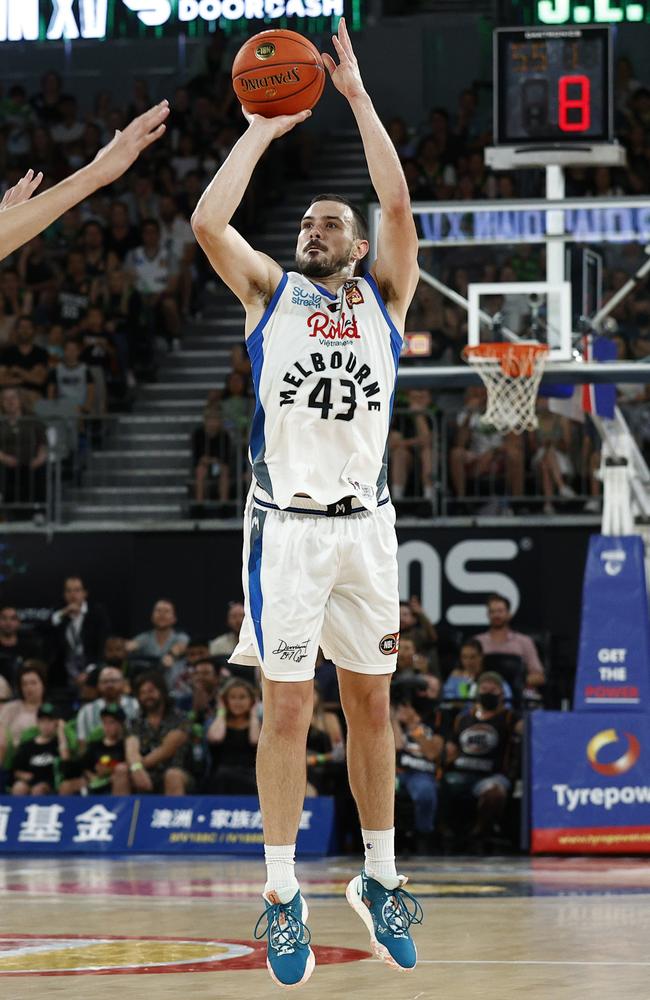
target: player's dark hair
<point>360,222</point>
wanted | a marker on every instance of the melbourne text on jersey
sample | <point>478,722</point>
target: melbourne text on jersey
<point>317,363</point>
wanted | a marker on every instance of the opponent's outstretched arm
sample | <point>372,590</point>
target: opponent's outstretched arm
<point>396,267</point>
<point>251,275</point>
<point>22,219</point>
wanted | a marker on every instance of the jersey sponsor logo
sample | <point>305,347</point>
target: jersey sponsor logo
<point>296,653</point>
<point>299,297</point>
<point>353,294</point>
<point>344,328</point>
<point>389,644</point>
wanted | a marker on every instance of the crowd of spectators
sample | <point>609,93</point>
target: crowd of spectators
<point>88,308</point>
<point>86,712</point>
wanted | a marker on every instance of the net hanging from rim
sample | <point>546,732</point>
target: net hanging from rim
<point>512,374</point>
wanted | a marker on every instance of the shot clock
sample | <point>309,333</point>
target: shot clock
<point>553,86</point>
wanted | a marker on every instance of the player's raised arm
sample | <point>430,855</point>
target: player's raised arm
<point>22,218</point>
<point>396,267</point>
<point>251,275</point>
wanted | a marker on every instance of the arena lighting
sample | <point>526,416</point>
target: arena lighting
<point>57,20</point>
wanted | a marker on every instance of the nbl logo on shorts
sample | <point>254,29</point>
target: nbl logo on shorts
<point>389,644</point>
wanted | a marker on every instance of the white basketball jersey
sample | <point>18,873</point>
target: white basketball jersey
<point>324,368</point>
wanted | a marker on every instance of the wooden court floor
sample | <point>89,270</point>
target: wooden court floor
<point>496,929</point>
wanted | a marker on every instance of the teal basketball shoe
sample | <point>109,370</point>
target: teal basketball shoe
<point>289,958</point>
<point>388,915</point>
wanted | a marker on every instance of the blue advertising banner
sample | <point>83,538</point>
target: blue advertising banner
<point>590,783</point>
<point>614,654</point>
<point>151,824</point>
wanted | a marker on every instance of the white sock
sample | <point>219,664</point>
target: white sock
<point>379,847</point>
<point>280,875</point>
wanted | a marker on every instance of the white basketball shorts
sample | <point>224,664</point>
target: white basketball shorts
<point>313,580</point>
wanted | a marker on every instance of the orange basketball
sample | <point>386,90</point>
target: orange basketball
<point>278,73</point>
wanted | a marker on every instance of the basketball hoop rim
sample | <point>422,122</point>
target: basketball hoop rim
<point>516,360</point>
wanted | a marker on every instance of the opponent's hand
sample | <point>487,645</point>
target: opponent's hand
<point>22,191</point>
<point>125,147</point>
<point>275,127</point>
<point>346,76</point>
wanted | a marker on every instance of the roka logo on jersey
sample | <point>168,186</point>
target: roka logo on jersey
<point>322,325</point>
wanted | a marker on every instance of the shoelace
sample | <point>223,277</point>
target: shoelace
<point>397,914</point>
<point>286,938</point>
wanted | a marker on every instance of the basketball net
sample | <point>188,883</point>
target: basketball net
<point>512,374</point>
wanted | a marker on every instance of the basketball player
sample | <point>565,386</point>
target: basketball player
<point>320,548</point>
<point>23,219</point>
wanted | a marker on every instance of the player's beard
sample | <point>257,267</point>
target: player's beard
<point>323,266</point>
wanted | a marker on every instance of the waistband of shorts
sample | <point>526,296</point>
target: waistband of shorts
<point>305,505</point>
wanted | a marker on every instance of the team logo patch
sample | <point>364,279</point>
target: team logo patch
<point>353,294</point>
<point>389,644</point>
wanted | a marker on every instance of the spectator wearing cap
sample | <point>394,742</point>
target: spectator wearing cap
<point>224,644</point>
<point>35,758</point>
<point>155,748</point>
<point>101,756</point>
<point>111,686</point>
<point>500,638</point>
<point>484,758</point>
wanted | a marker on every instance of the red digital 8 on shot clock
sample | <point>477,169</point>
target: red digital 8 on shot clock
<point>553,86</point>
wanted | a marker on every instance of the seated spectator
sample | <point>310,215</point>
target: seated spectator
<point>411,447</point>
<point>205,690</point>
<point>111,688</point>
<point>75,292</point>
<point>551,444</point>
<point>155,744</point>
<point>461,683</point>
<point>71,380</point>
<point>19,715</point>
<point>180,677</point>
<point>35,758</point>
<point>483,761</point>
<point>68,128</point>
<point>414,624</point>
<point>35,271</point>
<point>460,686</point>
<point>224,644</point>
<point>79,633</point>
<point>419,750</point>
<point>232,741</point>
<point>162,643</point>
<point>325,750</point>
<point>479,449</point>
<point>237,408</point>
<point>23,453</point>
<point>100,757</point>
<point>327,681</point>
<point>500,638</point>
<point>121,236</point>
<point>14,650</point>
<point>155,276</point>
<point>211,458</point>
<point>24,365</point>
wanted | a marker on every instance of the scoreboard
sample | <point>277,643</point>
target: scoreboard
<point>553,86</point>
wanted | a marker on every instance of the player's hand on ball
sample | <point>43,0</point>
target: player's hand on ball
<point>346,76</point>
<point>22,191</point>
<point>275,127</point>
